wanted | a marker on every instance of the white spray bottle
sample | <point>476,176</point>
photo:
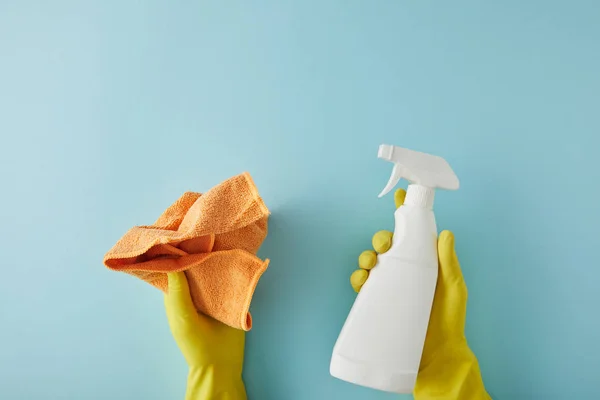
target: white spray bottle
<point>381,343</point>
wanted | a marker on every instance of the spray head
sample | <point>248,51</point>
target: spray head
<point>419,168</point>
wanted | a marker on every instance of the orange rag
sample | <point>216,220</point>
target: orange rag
<point>213,237</point>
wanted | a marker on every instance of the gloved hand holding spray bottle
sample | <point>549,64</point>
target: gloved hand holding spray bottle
<point>381,344</point>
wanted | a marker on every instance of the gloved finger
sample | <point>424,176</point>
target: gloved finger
<point>399,197</point>
<point>181,311</point>
<point>382,241</point>
<point>451,279</point>
<point>367,259</point>
<point>358,279</point>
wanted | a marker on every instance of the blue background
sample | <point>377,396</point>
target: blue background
<point>109,110</point>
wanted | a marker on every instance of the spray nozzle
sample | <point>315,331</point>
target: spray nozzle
<point>420,168</point>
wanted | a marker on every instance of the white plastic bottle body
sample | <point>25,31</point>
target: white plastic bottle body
<point>381,343</point>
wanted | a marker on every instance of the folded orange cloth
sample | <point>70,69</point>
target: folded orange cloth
<point>213,237</point>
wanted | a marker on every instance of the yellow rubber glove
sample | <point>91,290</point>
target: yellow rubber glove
<point>214,351</point>
<point>449,370</point>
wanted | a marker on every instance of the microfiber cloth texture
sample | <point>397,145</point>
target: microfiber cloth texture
<point>214,238</point>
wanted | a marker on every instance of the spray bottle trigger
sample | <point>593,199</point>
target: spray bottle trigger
<point>394,178</point>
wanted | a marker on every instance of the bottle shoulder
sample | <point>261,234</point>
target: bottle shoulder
<point>415,236</point>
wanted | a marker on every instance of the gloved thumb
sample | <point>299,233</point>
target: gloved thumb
<point>451,283</point>
<point>180,308</point>
<point>449,265</point>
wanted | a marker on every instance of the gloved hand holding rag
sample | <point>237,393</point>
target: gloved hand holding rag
<point>201,253</point>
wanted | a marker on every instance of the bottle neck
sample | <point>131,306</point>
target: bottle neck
<point>419,196</point>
